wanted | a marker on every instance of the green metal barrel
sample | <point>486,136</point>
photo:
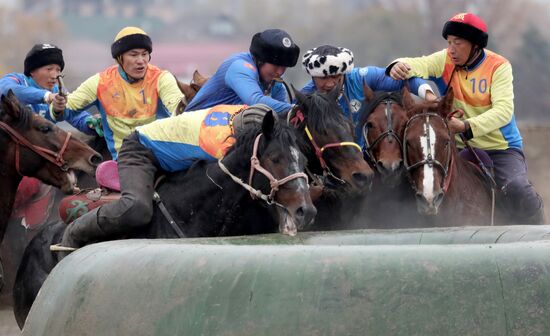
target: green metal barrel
<point>215,287</point>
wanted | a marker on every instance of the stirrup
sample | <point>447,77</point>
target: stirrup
<point>61,248</point>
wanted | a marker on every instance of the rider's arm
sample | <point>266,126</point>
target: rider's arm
<point>80,99</point>
<point>244,80</point>
<point>424,66</point>
<point>169,92</point>
<point>25,94</point>
<point>502,103</point>
<point>377,80</point>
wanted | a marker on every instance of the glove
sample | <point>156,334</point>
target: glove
<point>94,122</point>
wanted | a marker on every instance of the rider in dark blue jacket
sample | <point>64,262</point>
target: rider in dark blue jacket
<point>248,77</point>
<point>37,86</point>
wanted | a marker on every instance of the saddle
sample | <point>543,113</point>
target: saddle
<point>74,206</point>
<point>33,202</point>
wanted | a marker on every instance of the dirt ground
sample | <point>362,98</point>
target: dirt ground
<point>537,144</point>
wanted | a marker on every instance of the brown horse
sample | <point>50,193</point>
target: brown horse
<point>382,123</point>
<point>335,161</point>
<point>191,89</point>
<point>444,184</point>
<point>33,146</point>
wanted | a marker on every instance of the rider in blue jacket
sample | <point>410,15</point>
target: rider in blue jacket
<point>37,86</point>
<point>331,66</point>
<point>248,77</point>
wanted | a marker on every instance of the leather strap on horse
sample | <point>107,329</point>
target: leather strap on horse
<point>53,157</point>
<point>255,165</point>
<point>166,214</point>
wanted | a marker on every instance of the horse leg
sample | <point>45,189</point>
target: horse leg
<point>36,263</point>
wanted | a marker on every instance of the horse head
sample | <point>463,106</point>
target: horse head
<point>276,172</point>
<point>382,122</point>
<point>428,151</point>
<point>36,147</point>
<point>326,138</point>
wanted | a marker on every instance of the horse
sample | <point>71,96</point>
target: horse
<point>33,146</point>
<point>335,161</point>
<point>452,190</point>
<point>210,199</point>
<point>382,121</point>
<point>190,90</point>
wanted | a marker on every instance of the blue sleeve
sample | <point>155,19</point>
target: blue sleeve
<point>376,79</point>
<point>244,81</point>
<point>308,88</point>
<point>25,94</point>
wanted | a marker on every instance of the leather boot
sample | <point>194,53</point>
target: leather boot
<point>83,231</point>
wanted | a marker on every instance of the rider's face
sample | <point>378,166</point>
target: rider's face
<point>269,71</point>
<point>134,62</point>
<point>458,49</point>
<point>46,76</point>
<point>326,84</point>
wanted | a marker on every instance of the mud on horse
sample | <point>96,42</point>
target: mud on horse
<point>33,146</point>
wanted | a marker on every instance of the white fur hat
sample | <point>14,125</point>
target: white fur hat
<point>327,60</point>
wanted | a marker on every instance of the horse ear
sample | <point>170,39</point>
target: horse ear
<point>10,104</point>
<point>199,79</point>
<point>268,124</point>
<point>446,103</point>
<point>408,102</point>
<point>369,94</point>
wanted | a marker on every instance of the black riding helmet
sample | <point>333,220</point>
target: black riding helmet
<point>274,46</point>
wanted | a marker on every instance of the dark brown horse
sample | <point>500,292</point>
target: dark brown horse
<point>444,184</point>
<point>210,199</point>
<point>335,160</point>
<point>33,146</point>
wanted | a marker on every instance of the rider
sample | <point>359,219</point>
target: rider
<point>129,94</point>
<point>37,86</point>
<point>166,145</point>
<point>483,90</point>
<point>331,66</point>
<point>248,77</point>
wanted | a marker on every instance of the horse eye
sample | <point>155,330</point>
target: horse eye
<point>370,124</point>
<point>45,128</point>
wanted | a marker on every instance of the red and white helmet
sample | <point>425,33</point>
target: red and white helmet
<point>467,26</point>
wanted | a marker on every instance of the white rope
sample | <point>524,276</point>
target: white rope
<point>246,186</point>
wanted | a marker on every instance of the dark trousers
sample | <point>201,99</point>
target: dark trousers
<point>137,167</point>
<point>519,197</point>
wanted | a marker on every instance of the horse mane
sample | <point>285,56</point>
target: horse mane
<point>327,112</point>
<point>379,96</point>
<point>424,106</point>
<point>244,140</point>
<point>25,116</point>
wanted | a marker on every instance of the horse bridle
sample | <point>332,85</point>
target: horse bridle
<point>430,159</point>
<point>256,166</point>
<point>299,118</point>
<point>389,132</point>
<point>54,157</point>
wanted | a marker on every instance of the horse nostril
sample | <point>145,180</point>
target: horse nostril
<point>438,199</point>
<point>362,180</point>
<point>305,214</point>
<point>96,159</point>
